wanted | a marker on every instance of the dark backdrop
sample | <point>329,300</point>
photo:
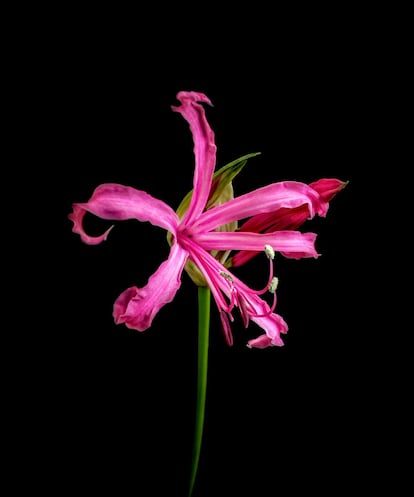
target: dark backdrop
<point>112,408</point>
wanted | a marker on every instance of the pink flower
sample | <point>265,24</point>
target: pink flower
<point>204,230</point>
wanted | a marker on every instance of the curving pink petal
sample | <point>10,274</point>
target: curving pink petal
<point>328,187</point>
<point>118,202</point>
<point>261,342</point>
<point>137,307</point>
<point>77,218</point>
<point>285,194</point>
<point>273,325</point>
<point>204,150</point>
<point>292,244</point>
<point>279,219</point>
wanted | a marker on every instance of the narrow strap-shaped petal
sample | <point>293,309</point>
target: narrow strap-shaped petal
<point>280,219</point>
<point>117,202</point>
<point>261,342</point>
<point>290,243</point>
<point>204,150</point>
<point>137,307</point>
<point>288,194</point>
<point>77,218</point>
<point>273,325</point>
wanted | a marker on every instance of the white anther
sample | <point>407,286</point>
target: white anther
<point>269,251</point>
<point>226,276</point>
<point>273,284</point>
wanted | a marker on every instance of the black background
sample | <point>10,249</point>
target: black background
<point>107,408</point>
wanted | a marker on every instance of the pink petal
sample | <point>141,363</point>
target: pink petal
<point>118,202</point>
<point>204,149</point>
<point>290,243</point>
<point>280,219</point>
<point>261,342</point>
<point>77,217</point>
<point>288,194</point>
<point>273,325</point>
<point>328,187</point>
<point>137,307</point>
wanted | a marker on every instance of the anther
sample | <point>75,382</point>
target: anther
<point>226,276</point>
<point>273,284</point>
<point>269,251</point>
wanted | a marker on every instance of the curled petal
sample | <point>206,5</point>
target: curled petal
<point>285,194</point>
<point>259,312</point>
<point>77,217</point>
<point>328,187</point>
<point>204,149</point>
<point>273,325</point>
<point>261,342</point>
<point>137,307</point>
<point>118,202</point>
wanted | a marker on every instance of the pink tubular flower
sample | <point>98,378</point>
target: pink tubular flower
<point>204,230</point>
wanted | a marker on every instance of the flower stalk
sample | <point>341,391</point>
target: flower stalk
<point>202,366</point>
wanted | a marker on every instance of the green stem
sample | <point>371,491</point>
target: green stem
<point>203,332</point>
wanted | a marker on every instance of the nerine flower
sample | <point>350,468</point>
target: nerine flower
<point>203,231</point>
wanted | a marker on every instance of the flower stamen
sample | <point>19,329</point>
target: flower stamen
<point>270,254</point>
<point>244,313</point>
<point>227,276</point>
<point>269,251</point>
<point>273,284</point>
<point>233,292</point>
<point>225,324</point>
<point>272,289</point>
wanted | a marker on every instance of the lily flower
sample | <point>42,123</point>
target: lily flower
<point>203,231</point>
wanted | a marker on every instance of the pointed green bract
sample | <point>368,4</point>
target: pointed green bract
<point>221,180</point>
